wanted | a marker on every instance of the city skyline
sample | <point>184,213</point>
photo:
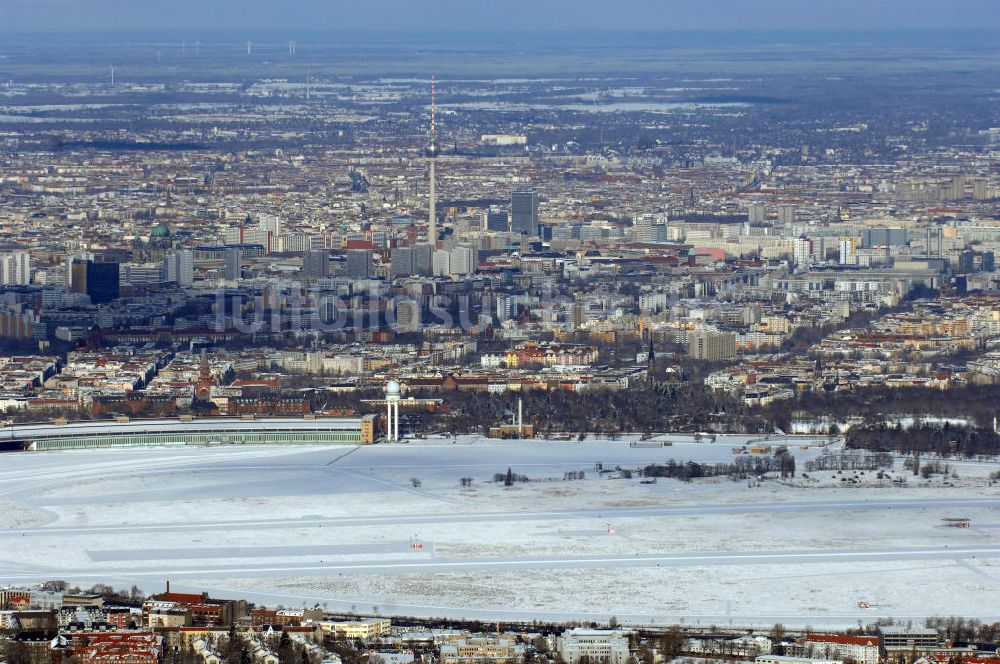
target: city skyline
<point>658,316</point>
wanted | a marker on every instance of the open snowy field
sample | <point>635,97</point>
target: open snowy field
<point>390,528</point>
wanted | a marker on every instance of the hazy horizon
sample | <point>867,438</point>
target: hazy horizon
<point>444,15</point>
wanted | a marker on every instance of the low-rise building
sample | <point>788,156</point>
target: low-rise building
<point>859,649</point>
<point>596,645</point>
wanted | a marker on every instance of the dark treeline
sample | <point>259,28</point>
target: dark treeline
<point>741,468</point>
<point>850,461</point>
<point>944,439</point>
<point>978,402</point>
<point>669,408</point>
<point>962,630</point>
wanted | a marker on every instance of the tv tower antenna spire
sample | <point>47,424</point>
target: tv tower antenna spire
<point>432,153</point>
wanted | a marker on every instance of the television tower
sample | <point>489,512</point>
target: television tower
<point>432,153</point>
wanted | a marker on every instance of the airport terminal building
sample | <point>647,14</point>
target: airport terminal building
<point>179,432</point>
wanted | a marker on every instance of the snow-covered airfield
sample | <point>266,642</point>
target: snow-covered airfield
<point>350,528</point>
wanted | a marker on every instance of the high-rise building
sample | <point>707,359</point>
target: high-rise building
<point>140,273</point>
<point>967,261</point>
<point>401,264</point>
<point>359,264</point>
<point>786,214</point>
<point>506,306</point>
<point>462,261</point>
<point>441,263</point>
<point>497,220</point>
<point>933,241</point>
<point>269,223</point>
<point>642,230</point>
<point>757,213</point>
<point>98,280</point>
<point>234,264</point>
<point>956,188</point>
<point>711,345</point>
<point>178,266</point>
<point>524,212</point>
<point>848,251</point>
<point>884,237</point>
<point>15,269</point>
<point>802,251</point>
<point>416,260</point>
<point>981,189</point>
<point>408,315</point>
<point>316,265</point>
<point>422,260</point>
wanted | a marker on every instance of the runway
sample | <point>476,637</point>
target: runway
<point>390,526</point>
<point>695,559</point>
<point>527,515</point>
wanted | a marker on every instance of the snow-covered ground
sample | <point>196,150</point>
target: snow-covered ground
<point>390,528</point>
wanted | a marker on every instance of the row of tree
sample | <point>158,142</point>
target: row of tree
<point>944,439</point>
<point>851,460</point>
<point>741,468</point>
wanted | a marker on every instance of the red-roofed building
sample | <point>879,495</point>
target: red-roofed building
<point>117,647</point>
<point>202,609</point>
<point>860,649</point>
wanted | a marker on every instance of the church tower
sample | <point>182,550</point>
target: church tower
<point>651,363</point>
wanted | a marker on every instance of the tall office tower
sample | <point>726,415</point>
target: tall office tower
<point>316,265</point>
<point>506,306</point>
<point>989,262</point>
<point>15,269</point>
<point>401,262</point>
<point>524,212</point>
<point>642,230</point>
<point>408,315</point>
<point>802,251</point>
<point>98,280</point>
<point>432,153</point>
<point>462,260</point>
<point>267,233</point>
<point>72,258</point>
<point>497,220</point>
<point>178,266</point>
<point>967,261</point>
<point>441,263</point>
<point>786,215</point>
<point>957,188</point>
<point>981,189</point>
<point>848,251</point>
<point>711,345</point>
<point>359,264</point>
<point>756,213</point>
<point>234,264</point>
<point>884,237</point>
<point>269,223</point>
<point>423,260</point>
